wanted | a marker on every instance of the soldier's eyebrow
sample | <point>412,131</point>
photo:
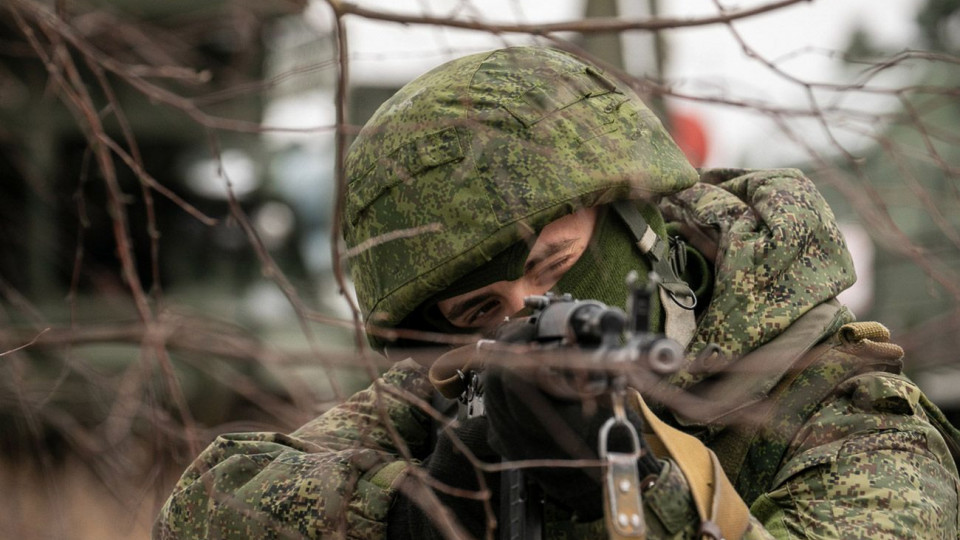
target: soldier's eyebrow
<point>552,249</point>
<point>460,308</point>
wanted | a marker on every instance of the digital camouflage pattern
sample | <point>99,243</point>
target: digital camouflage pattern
<point>333,477</point>
<point>866,464</point>
<point>827,441</point>
<point>783,253</point>
<point>482,152</point>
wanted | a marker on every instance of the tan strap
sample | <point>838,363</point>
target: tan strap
<point>720,508</point>
<point>856,331</point>
<point>868,338</point>
<point>446,372</point>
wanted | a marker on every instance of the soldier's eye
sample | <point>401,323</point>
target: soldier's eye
<point>551,271</point>
<point>481,313</point>
<point>560,264</point>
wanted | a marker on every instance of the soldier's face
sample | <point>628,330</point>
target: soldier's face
<point>557,248</point>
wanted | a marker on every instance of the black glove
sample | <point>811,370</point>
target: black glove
<point>527,423</point>
<point>448,465</point>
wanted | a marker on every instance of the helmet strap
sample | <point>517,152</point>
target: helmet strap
<point>600,272</point>
<point>667,258</point>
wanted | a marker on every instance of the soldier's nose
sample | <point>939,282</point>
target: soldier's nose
<point>513,302</point>
<point>513,299</point>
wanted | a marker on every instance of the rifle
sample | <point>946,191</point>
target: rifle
<point>612,339</point>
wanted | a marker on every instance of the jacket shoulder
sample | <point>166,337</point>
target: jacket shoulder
<point>720,175</point>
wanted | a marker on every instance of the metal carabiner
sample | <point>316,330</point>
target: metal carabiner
<point>623,504</point>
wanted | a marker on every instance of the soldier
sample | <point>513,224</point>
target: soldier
<point>526,170</point>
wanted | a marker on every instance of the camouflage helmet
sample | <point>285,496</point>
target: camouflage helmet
<point>484,151</point>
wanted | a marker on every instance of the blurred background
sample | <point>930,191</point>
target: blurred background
<point>169,268</point>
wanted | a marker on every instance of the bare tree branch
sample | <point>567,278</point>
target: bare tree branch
<point>593,25</point>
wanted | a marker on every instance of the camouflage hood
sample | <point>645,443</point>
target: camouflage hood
<point>778,253</point>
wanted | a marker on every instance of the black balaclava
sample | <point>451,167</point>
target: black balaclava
<point>506,266</point>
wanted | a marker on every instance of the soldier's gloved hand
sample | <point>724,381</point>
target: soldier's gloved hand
<point>528,423</point>
<point>448,465</point>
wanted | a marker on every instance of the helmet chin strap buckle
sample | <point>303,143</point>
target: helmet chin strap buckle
<point>676,297</point>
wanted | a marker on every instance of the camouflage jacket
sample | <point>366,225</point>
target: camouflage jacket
<point>814,425</point>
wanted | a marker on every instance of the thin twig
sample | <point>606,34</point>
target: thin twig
<point>583,26</point>
<point>336,238</point>
<point>25,345</point>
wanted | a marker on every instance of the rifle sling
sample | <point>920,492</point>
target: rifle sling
<point>719,506</point>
